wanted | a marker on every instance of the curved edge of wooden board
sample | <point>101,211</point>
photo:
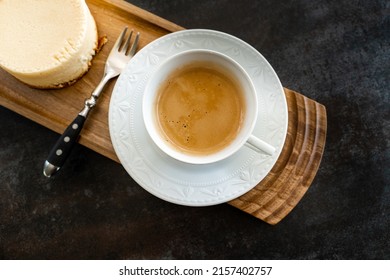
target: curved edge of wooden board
<point>281,190</point>
<point>271,200</point>
<point>142,14</point>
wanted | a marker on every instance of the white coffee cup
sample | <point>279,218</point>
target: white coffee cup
<point>244,136</point>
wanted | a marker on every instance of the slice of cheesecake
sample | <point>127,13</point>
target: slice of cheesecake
<point>47,43</point>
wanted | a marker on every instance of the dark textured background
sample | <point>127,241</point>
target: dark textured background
<point>335,52</point>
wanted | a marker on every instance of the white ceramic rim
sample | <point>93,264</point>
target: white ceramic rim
<point>181,183</point>
<point>150,93</point>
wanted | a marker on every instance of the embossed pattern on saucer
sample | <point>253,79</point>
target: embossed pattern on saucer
<point>175,181</point>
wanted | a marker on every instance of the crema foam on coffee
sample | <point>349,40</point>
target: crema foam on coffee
<point>200,108</point>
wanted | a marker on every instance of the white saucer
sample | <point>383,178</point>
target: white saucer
<point>181,183</point>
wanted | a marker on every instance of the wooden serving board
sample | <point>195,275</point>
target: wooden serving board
<point>55,109</point>
<point>271,200</point>
<point>284,186</point>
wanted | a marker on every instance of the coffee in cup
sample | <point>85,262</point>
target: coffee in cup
<point>200,106</point>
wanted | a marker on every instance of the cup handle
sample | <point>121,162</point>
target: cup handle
<point>257,144</point>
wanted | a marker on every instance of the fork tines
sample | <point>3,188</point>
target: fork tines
<point>123,45</point>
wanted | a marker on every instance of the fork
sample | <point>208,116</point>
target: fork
<point>118,58</point>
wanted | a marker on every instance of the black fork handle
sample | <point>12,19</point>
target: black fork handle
<point>63,147</point>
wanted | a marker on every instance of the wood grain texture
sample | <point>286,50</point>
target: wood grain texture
<point>55,109</point>
<point>271,200</point>
<point>281,190</point>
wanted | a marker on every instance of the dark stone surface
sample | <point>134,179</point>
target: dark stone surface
<point>335,52</point>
